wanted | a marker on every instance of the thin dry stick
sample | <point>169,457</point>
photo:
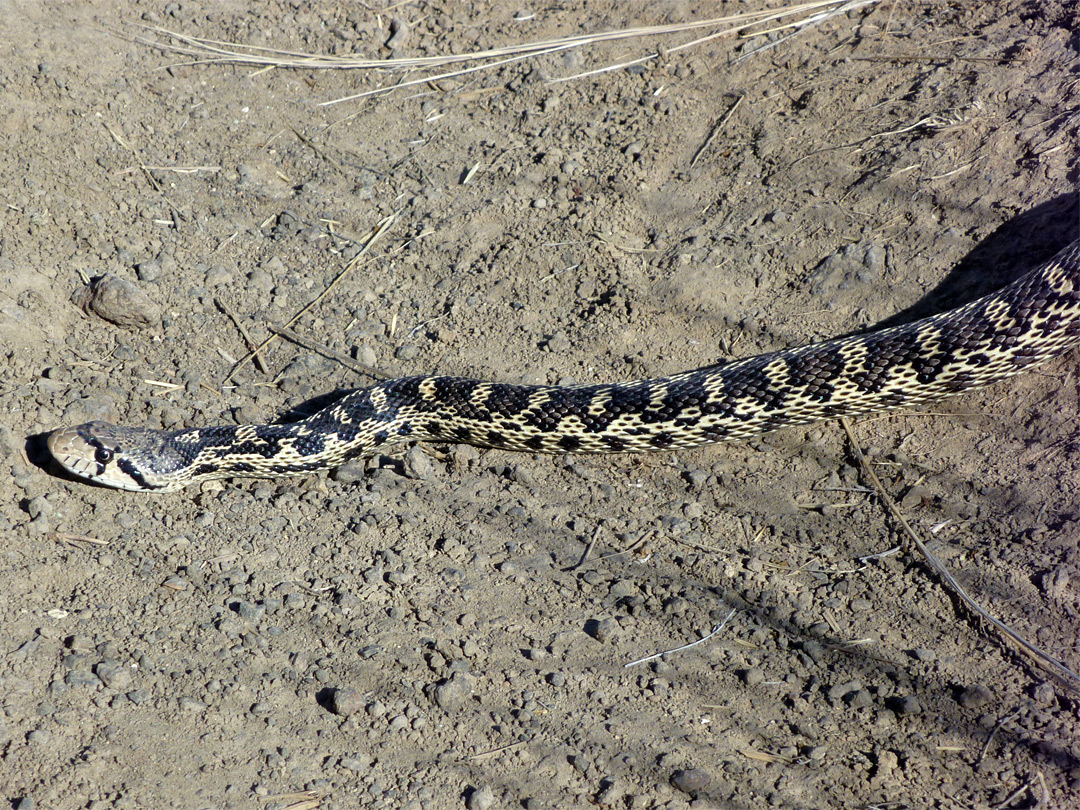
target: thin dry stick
<point>715,131</point>
<point>314,148</point>
<point>501,749</point>
<point>146,170</point>
<point>382,228</point>
<point>715,630</point>
<point>75,539</point>
<point>1069,677</point>
<point>1016,794</point>
<point>220,52</point>
<point>990,739</point>
<point>632,547</point>
<point>208,51</point>
<point>588,550</point>
<point>801,25</point>
<point>348,362</point>
<point>259,363</point>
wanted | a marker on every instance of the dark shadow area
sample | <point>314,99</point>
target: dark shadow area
<point>1016,247</point>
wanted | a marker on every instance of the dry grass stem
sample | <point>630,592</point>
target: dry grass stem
<point>210,51</point>
<point>259,363</point>
<point>168,386</point>
<point>588,550</point>
<point>1068,677</point>
<point>501,749</point>
<point>701,640</point>
<point>76,539</point>
<point>715,131</point>
<point>380,229</point>
<point>310,345</point>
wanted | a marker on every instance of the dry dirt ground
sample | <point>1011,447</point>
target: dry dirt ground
<point>418,632</point>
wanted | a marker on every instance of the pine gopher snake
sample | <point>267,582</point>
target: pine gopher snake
<point>1031,320</point>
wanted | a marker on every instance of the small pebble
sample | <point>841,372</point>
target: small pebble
<point>216,276</point>
<point>38,507</point>
<point>558,343</point>
<point>260,280</point>
<point>1044,694</point>
<point>148,270</point>
<point>346,701</point>
<point>190,704</point>
<point>251,612</point>
<point>350,472</point>
<point>908,704</point>
<point>418,464</point>
<point>82,677</point>
<point>605,630</point>
<point>696,478</point>
<point>842,690</point>
<point>357,763</point>
<point>752,676</point>
<point>690,780</point>
<point>860,699</point>
<point>452,693</point>
<point>399,33</point>
<point>975,696</point>
<point>114,674</point>
<point>481,799</point>
<point>1055,583</point>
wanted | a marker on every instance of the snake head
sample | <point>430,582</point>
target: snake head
<point>110,455</point>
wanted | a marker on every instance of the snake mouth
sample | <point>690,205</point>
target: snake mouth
<point>86,452</point>
<point>73,452</point>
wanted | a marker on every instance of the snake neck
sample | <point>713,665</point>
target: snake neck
<point>349,429</point>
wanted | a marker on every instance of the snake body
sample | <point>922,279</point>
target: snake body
<point>1035,318</point>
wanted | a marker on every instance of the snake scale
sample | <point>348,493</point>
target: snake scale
<point>1031,320</point>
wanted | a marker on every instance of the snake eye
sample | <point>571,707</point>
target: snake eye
<point>103,455</point>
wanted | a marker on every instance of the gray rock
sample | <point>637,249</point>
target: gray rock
<point>975,696</point>
<point>81,677</point>
<point>113,674</point>
<point>690,780</point>
<point>453,692</point>
<point>118,301</point>
<point>252,612</point>
<point>605,630</point>
<point>349,473</point>
<point>38,507</point>
<point>399,33</point>
<point>482,798</point>
<point>752,676</point>
<point>842,690</point>
<point>908,704</point>
<point>418,464</point>
<point>190,704</point>
<point>149,270</point>
<point>346,701</point>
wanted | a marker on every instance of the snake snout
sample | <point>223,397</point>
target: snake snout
<point>84,450</point>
